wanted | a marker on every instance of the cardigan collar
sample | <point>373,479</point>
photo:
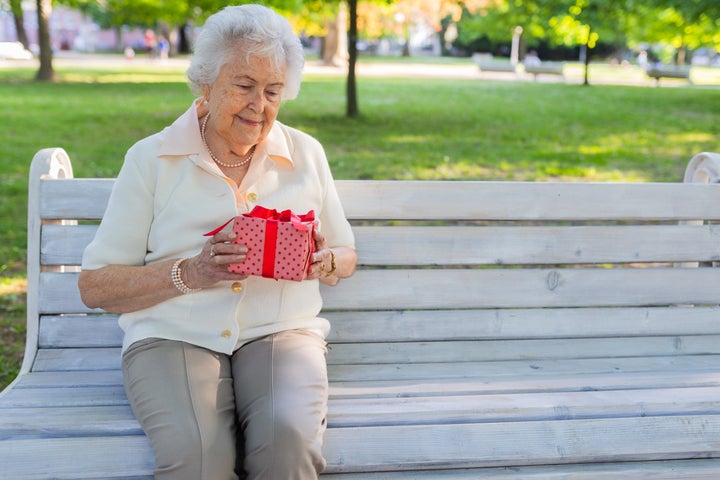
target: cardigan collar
<point>182,138</point>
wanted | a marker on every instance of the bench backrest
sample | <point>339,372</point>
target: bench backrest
<point>450,273</point>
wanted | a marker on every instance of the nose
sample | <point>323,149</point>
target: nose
<point>257,102</point>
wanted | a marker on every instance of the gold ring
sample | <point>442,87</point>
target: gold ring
<point>212,250</point>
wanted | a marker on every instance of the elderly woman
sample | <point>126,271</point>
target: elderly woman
<point>225,372</point>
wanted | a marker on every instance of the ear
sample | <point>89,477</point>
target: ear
<point>205,90</point>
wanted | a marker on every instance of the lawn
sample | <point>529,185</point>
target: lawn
<point>409,129</point>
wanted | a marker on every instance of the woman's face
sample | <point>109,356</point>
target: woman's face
<point>244,101</point>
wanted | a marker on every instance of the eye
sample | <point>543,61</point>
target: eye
<point>273,94</point>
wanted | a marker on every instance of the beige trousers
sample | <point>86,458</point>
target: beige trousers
<point>258,414</point>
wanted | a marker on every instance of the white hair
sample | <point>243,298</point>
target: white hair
<point>260,32</point>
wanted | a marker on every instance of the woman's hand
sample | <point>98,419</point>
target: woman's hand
<point>211,265</point>
<point>329,265</point>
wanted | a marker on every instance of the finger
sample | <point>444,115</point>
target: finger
<point>319,238</point>
<point>224,236</point>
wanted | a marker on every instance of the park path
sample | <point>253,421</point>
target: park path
<point>367,69</point>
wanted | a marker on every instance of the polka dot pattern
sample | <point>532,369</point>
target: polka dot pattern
<point>293,248</point>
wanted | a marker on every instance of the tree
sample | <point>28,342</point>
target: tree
<point>351,109</point>
<point>19,21</point>
<point>684,25</point>
<point>46,71</point>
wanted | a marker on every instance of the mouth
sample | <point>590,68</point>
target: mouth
<point>250,122</point>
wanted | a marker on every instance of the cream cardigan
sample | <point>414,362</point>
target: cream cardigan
<point>169,192</point>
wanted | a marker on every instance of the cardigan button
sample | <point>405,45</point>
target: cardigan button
<point>226,334</point>
<point>237,287</point>
<point>252,197</point>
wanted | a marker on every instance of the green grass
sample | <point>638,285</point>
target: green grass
<point>409,129</point>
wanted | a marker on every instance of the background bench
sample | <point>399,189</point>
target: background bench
<point>500,330</point>
<point>668,72</point>
<point>487,63</point>
<point>545,68</point>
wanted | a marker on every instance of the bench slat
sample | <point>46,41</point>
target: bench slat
<point>523,443</point>
<point>438,200</point>
<point>699,469</point>
<point>100,419</point>
<point>69,331</point>
<point>495,350</point>
<point>516,407</point>
<point>109,359</point>
<point>491,288</point>
<point>487,245</point>
<point>484,371</point>
<point>80,421</point>
<point>77,457</point>
<point>692,377</point>
<point>407,354</point>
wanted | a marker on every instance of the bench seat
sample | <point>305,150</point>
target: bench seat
<point>668,72</point>
<point>495,330</point>
<point>545,68</point>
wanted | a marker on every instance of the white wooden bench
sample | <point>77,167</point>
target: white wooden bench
<point>545,68</point>
<point>668,72</point>
<point>487,63</point>
<point>500,330</point>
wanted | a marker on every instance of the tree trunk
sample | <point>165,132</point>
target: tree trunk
<point>183,43</point>
<point>586,81</point>
<point>46,72</point>
<point>19,20</point>
<point>352,102</point>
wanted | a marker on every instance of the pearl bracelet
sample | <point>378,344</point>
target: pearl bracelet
<point>176,276</point>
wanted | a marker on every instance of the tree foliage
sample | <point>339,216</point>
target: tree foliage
<point>684,24</point>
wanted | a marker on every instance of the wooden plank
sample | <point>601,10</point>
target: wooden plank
<point>486,324</point>
<point>473,288</point>
<point>522,443</point>
<point>70,379</point>
<point>438,200</point>
<point>480,245</point>
<point>523,383</point>
<point>698,469</point>
<point>64,244</point>
<point>65,331</point>
<point>77,458</point>
<point>88,359</point>
<point>59,397</point>
<point>518,288</point>
<point>536,245</point>
<point>69,359</point>
<point>487,371</point>
<point>380,351</point>
<point>517,407</point>
<point>498,350</point>
<point>69,331</point>
<point>77,198</point>
<point>76,421</point>
<point>520,383</point>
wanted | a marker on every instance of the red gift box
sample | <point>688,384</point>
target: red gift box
<point>280,244</point>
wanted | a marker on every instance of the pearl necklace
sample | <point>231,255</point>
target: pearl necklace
<point>245,160</point>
